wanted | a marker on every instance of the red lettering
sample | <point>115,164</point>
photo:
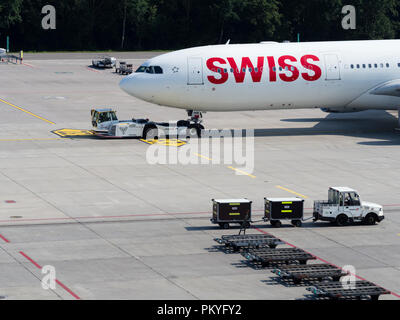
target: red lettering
<point>212,67</point>
<point>240,74</point>
<point>317,70</point>
<point>272,69</point>
<point>295,72</point>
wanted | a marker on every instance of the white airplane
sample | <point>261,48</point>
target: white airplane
<point>3,52</point>
<point>345,76</point>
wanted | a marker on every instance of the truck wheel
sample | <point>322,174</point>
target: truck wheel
<point>224,225</point>
<point>370,219</point>
<point>150,134</point>
<point>342,220</point>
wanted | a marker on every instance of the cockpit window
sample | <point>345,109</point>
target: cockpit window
<point>141,69</point>
<point>150,69</point>
<point>158,70</point>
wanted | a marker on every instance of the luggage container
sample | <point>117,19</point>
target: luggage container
<point>227,211</point>
<point>278,209</point>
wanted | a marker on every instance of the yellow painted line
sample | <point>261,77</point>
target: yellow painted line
<point>33,139</point>
<point>242,172</point>
<point>204,157</point>
<point>291,191</point>
<point>26,111</point>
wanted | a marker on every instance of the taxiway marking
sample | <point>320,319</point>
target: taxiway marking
<point>26,111</point>
<point>57,281</point>
<point>204,157</point>
<point>243,172</point>
<point>291,191</point>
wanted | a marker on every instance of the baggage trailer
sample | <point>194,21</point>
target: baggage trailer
<point>227,211</point>
<point>278,209</point>
<point>240,242</point>
<point>319,272</point>
<point>357,290</point>
<point>267,256</point>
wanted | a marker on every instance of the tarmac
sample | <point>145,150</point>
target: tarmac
<point>115,226</point>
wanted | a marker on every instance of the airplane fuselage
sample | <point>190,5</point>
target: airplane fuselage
<point>333,75</point>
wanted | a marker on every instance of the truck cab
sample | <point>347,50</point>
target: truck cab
<point>344,205</point>
<point>102,119</point>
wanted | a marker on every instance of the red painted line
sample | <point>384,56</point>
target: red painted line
<point>57,281</point>
<point>4,238</point>
<point>327,262</point>
<point>108,217</point>
<point>90,69</point>
<point>28,65</point>
<point>68,289</point>
<point>31,260</point>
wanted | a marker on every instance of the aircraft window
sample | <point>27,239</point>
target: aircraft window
<point>244,70</point>
<point>363,66</point>
<point>398,65</point>
<point>375,65</point>
<point>232,70</point>
<point>381,65</point>
<point>141,69</point>
<point>158,70</point>
<point>387,65</point>
<point>219,70</point>
<point>369,65</point>
<point>149,70</point>
<point>280,69</point>
<point>255,69</point>
<point>352,66</point>
<point>274,69</point>
<point>225,70</point>
<point>358,66</point>
<point>250,70</point>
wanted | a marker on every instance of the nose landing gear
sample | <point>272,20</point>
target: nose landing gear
<point>195,120</point>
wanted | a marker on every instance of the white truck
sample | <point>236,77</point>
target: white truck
<point>344,206</point>
<point>106,124</point>
<point>104,62</point>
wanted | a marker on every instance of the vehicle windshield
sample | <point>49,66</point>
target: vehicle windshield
<point>107,116</point>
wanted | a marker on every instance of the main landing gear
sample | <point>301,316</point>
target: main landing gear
<point>195,120</point>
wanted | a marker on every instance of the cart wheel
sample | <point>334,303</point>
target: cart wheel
<point>297,223</point>
<point>277,224</point>
<point>224,225</point>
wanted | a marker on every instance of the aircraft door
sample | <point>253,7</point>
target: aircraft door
<point>332,67</point>
<point>195,71</point>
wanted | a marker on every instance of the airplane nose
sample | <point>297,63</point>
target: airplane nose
<point>126,84</point>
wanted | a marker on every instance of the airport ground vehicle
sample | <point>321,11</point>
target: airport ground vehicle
<point>124,68</point>
<point>104,62</point>
<point>344,206</point>
<point>278,209</point>
<point>227,211</point>
<point>106,124</point>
